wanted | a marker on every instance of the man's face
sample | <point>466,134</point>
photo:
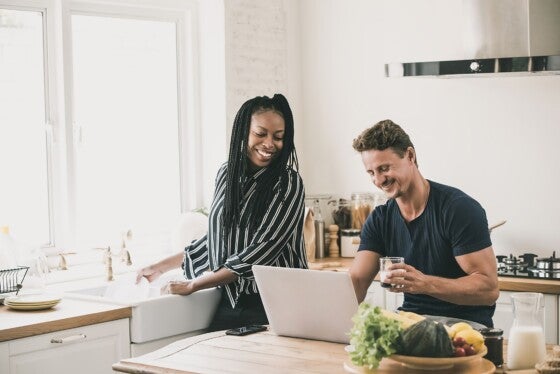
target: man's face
<point>389,172</point>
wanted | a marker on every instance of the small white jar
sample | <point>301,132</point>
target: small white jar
<point>349,242</point>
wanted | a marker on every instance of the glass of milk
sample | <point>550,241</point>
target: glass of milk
<point>385,268</point>
<point>526,344</point>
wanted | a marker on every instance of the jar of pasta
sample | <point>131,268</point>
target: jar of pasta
<point>362,203</point>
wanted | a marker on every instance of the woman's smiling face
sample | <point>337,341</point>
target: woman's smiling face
<point>266,138</point>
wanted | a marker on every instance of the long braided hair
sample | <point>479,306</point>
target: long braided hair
<point>238,163</point>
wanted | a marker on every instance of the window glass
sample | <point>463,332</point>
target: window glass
<point>126,128</point>
<point>24,192</point>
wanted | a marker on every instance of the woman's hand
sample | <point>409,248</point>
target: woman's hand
<point>178,287</point>
<point>154,271</point>
<point>151,273</point>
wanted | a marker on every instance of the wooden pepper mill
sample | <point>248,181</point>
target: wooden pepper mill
<point>333,246</point>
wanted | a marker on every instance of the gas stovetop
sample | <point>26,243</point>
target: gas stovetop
<point>528,273</point>
<point>524,266</point>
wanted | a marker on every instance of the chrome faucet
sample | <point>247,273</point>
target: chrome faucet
<point>124,254</point>
<point>62,265</point>
<point>109,263</point>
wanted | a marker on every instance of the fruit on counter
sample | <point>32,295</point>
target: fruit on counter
<point>459,326</point>
<point>405,319</point>
<point>471,337</point>
<point>460,352</point>
<point>427,339</point>
<point>466,338</point>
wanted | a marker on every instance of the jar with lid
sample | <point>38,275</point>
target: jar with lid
<point>352,214</point>
<point>341,212</point>
<point>494,342</point>
<point>349,242</point>
<point>362,205</point>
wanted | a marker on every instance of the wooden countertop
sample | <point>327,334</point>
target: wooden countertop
<point>265,352</point>
<point>67,314</point>
<point>70,313</point>
<point>548,286</point>
<point>257,353</point>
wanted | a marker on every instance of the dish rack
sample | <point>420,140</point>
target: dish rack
<point>12,279</point>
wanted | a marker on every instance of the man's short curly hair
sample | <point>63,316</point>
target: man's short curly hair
<point>384,134</point>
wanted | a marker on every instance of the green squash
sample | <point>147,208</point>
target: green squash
<point>426,339</point>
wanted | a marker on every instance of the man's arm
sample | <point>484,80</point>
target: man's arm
<point>362,272</point>
<point>478,287</point>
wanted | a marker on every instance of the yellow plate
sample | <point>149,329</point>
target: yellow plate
<point>31,306</point>
<point>433,363</point>
<point>32,302</point>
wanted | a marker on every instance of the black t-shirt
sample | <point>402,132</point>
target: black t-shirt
<point>452,224</point>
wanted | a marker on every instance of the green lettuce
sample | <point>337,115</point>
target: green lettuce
<point>373,336</point>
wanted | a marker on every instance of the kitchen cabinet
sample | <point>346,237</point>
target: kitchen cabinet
<point>393,300</point>
<point>4,354</point>
<point>503,316</point>
<point>89,349</point>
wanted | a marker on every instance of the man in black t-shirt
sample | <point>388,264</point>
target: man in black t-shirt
<point>442,233</point>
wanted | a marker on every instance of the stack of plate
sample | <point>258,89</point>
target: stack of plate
<point>31,302</point>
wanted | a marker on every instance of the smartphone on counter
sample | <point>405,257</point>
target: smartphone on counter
<point>246,330</point>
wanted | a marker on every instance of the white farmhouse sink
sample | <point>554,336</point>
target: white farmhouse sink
<point>160,316</point>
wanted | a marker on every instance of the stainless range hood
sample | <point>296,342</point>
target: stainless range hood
<point>499,37</point>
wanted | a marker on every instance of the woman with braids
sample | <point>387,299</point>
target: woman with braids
<point>256,216</point>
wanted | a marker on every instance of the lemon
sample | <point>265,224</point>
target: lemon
<point>459,326</point>
<point>479,347</point>
<point>472,337</point>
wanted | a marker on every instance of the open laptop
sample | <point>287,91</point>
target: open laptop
<point>312,304</point>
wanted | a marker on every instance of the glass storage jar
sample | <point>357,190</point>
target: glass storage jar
<point>349,242</point>
<point>494,341</point>
<point>362,203</point>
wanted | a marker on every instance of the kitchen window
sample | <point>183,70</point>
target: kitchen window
<point>96,121</point>
<point>24,153</point>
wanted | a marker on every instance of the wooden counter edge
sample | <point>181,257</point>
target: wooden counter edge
<point>135,368</point>
<point>65,323</point>
<point>529,285</point>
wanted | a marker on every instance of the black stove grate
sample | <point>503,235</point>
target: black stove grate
<point>523,267</point>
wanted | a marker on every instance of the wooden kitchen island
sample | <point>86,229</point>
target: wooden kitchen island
<point>263,353</point>
<point>266,352</point>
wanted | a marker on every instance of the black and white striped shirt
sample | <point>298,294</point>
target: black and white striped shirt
<point>277,241</point>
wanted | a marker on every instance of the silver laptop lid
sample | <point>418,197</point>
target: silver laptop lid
<point>312,304</point>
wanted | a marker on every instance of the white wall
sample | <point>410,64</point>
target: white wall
<point>258,35</point>
<point>212,93</point>
<point>247,48</point>
<point>495,138</point>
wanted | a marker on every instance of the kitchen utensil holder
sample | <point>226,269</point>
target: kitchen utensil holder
<point>12,279</point>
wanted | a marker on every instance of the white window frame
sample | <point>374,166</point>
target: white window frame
<point>61,132</point>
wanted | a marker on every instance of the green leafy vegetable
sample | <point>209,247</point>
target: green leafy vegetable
<point>373,336</point>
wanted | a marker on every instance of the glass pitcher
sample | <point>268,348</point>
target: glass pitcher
<point>526,345</point>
